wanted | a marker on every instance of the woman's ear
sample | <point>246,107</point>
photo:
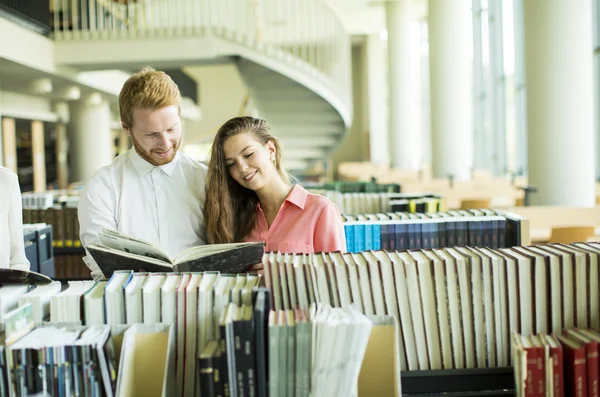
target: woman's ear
<point>270,145</point>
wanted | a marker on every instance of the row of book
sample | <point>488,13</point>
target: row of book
<point>406,230</point>
<point>456,306</point>
<point>357,187</point>
<point>560,364</point>
<point>252,350</point>
<point>357,203</point>
<point>64,222</point>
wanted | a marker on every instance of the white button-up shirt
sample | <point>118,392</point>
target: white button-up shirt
<point>12,251</point>
<point>162,205</point>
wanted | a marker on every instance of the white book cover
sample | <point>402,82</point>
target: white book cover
<point>568,285</point>
<point>151,298</point>
<point>463,266</point>
<point>301,284</point>
<point>411,362</point>
<point>430,318</point>
<point>341,272</point>
<point>114,297</point>
<point>454,316</point>
<point>39,298</point>
<point>582,284</point>
<point>491,339</point>
<point>390,294</point>
<point>331,280</point>
<point>525,275</point>
<point>180,329</point>
<point>477,302</point>
<point>502,333</point>
<point>133,298</point>
<point>594,259</point>
<point>354,282</point>
<point>365,283</point>
<point>376,284</point>
<point>441,301</point>
<point>540,270</point>
<point>191,334</point>
<point>555,276</point>
<point>416,309</point>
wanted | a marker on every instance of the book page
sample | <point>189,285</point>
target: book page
<point>122,242</point>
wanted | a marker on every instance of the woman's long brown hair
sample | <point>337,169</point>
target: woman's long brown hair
<point>230,209</point>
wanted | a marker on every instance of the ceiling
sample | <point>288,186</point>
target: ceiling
<point>363,17</point>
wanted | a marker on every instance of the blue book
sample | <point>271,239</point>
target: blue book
<point>377,236</point>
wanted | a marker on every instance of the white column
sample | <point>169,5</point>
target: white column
<point>90,138</point>
<point>480,142</point>
<point>520,88</point>
<point>450,80</point>
<point>403,136</point>
<point>596,44</point>
<point>560,119</point>
<point>379,150</point>
<point>497,89</point>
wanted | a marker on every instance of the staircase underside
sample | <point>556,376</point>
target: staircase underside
<point>303,108</point>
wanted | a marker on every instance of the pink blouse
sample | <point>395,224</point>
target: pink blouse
<point>305,223</point>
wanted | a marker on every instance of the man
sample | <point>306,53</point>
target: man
<point>12,249</point>
<point>151,192</point>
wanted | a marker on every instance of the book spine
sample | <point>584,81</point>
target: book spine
<point>592,368</point>
<point>206,375</point>
<point>377,241</point>
<point>557,371</point>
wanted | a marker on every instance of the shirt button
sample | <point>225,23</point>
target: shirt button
<point>158,188</point>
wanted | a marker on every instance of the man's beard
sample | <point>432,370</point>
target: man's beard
<point>152,158</point>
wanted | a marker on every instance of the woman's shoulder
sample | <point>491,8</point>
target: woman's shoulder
<point>318,200</point>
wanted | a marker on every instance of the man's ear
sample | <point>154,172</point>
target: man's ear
<point>126,129</point>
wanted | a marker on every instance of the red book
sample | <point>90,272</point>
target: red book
<point>575,366</point>
<point>535,380</point>
<point>591,349</point>
<point>556,353</point>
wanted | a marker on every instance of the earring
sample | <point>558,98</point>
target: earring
<point>272,158</point>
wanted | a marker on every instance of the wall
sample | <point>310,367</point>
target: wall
<point>26,106</point>
<point>221,94</point>
<point>355,144</point>
<point>26,47</point>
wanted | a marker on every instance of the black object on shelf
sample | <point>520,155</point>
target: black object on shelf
<point>38,249</point>
<point>68,250</point>
<point>459,382</point>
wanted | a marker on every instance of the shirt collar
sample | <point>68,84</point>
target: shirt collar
<point>143,167</point>
<point>297,196</point>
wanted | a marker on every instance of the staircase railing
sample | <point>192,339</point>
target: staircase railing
<point>306,34</point>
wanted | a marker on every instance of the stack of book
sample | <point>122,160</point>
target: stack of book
<point>406,230</point>
<point>561,364</point>
<point>356,203</point>
<point>186,334</point>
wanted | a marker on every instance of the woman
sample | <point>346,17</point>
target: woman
<point>12,250</point>
<point>250,198</point>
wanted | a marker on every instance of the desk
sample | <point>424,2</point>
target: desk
<point>542,235</point>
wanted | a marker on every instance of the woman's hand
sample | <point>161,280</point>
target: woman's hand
<point>256,268</point>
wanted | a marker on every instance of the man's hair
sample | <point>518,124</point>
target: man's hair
<point>147,89</point>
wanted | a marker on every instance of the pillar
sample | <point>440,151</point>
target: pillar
<point>560,115</point>
<point>90,137</point>
<point>450,92</point>
<point>379,150</point>
<point>403,136</point>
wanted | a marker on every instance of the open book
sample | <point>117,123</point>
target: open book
<point>117,251</point>
<point>16,276</point>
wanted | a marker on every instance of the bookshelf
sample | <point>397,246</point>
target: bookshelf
<point>476,382</point>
